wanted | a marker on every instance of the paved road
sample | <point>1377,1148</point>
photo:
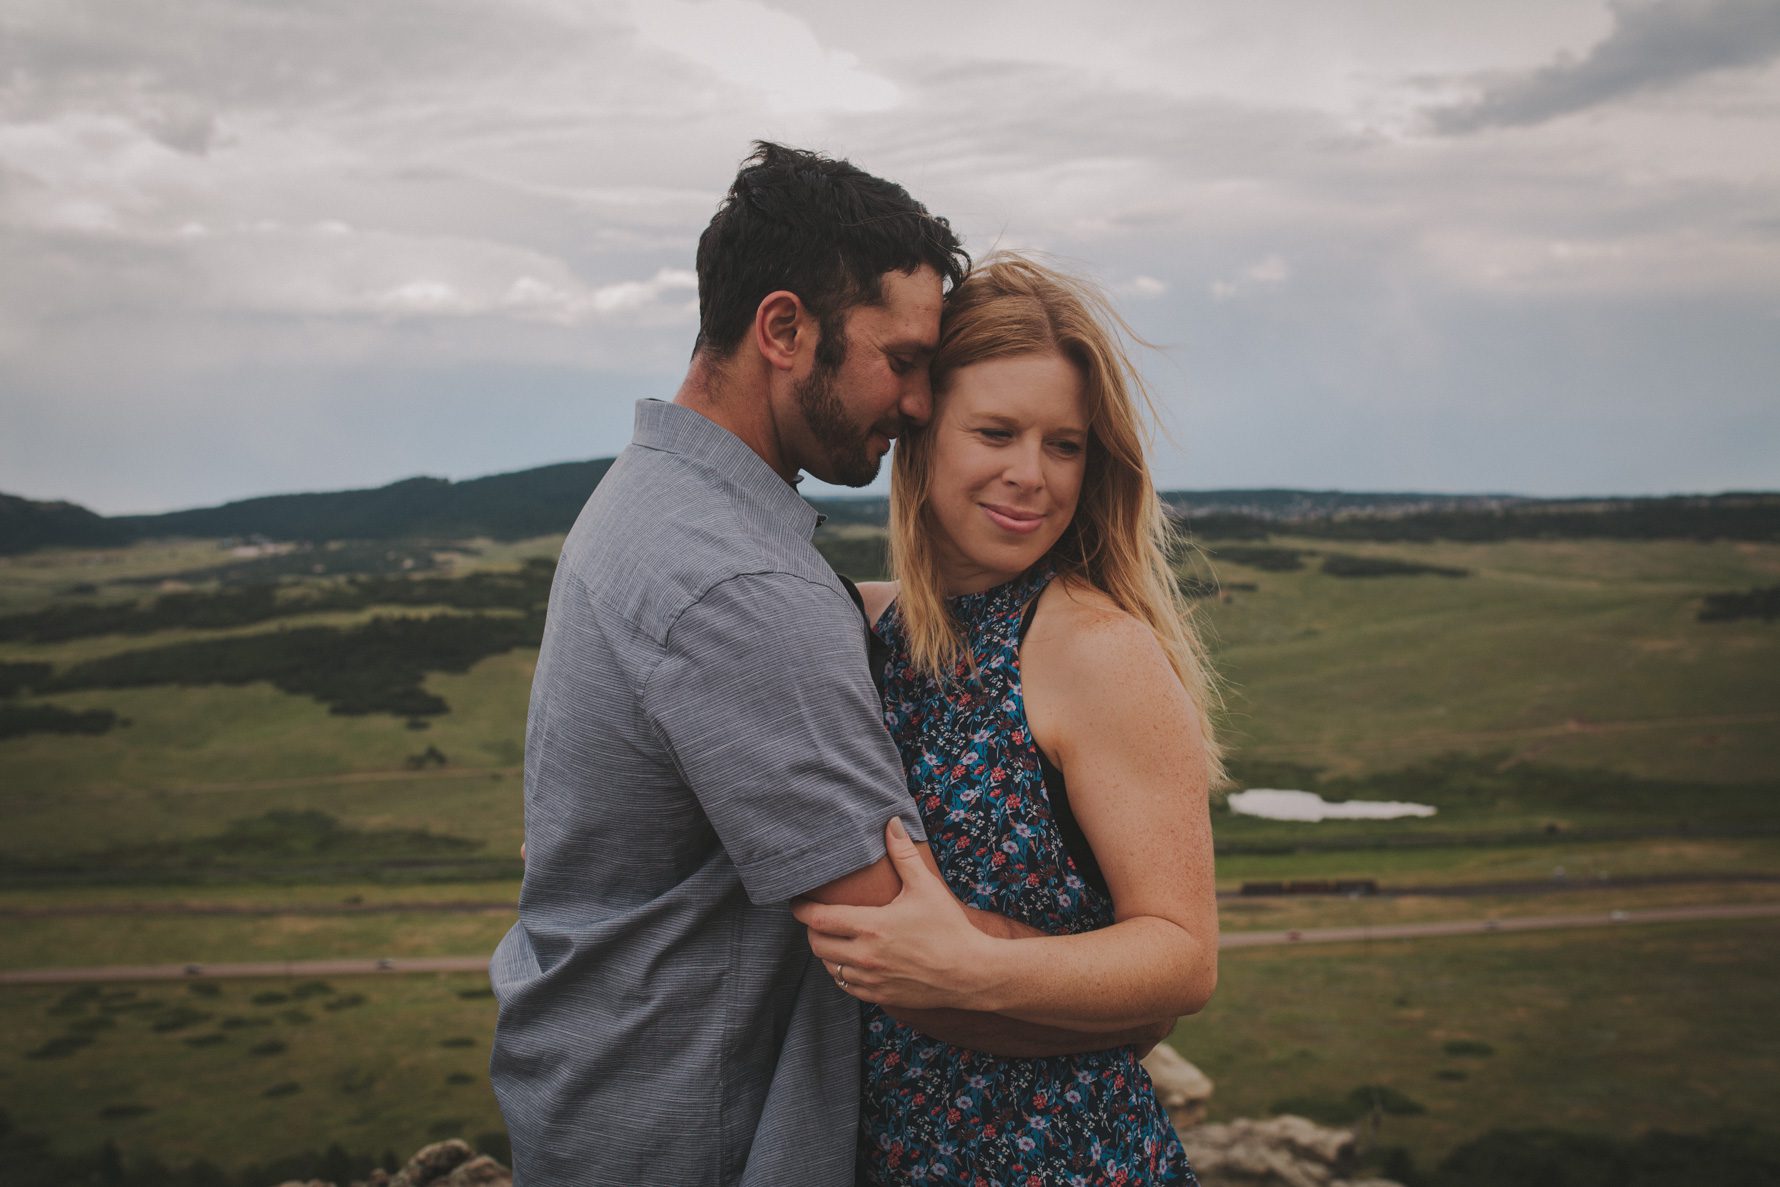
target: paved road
<point>1239,939</point>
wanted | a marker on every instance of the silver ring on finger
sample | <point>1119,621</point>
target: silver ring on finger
<point>840,975</point>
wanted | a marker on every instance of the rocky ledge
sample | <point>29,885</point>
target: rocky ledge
<point>1278,1152</point>
<point>442,1164</point>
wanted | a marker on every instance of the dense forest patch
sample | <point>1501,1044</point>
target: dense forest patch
<point>1682,517</point>
<point>16,678</point>
<point>1255,556</point>
<point>374,668</point>
<point>524,589</point>
<point>1762,603</point>
<point>1339,564</point>
<point>18,720</point>
<point>1273,559</point>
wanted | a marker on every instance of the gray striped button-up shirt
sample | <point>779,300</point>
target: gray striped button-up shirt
<point>704,743</point>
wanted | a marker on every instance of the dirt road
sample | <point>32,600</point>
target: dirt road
<point>1239,939</point>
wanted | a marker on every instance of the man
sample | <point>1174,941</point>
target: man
<point>704,742</point>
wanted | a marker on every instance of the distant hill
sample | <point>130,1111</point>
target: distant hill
<point>545,500</point>
<point>503,506</point>
<point>26,524</point>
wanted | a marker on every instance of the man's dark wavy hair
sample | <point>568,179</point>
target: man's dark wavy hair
<point>821,228</point>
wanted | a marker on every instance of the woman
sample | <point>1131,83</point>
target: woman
<point>1048,698</point>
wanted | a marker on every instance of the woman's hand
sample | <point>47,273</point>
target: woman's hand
<point>919,951</point>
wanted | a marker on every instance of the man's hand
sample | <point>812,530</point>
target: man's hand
<point>918,951</point>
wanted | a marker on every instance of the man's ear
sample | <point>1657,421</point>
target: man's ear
<point>783,329</point>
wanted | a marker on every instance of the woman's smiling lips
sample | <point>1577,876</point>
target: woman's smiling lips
<point>1012,519</point>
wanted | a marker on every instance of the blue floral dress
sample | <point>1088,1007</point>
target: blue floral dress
<point>939,1114</point>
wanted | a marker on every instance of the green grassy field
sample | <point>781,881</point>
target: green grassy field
<point>1561,706</point>
<point>1571,653</point>
<point>1598,1032</point>
<point>1608,1032</point>
<point>376,1063</point>
<point>1563,654</point>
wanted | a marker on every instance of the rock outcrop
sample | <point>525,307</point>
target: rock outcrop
<point>1182,1088</point>
<point>1278,1152</point>
<point>442,1164</point>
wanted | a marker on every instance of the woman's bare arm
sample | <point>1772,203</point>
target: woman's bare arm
<point>877,596</point>
<point>1125,734</point>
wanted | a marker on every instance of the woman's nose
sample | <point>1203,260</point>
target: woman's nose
<point>1024,466</point>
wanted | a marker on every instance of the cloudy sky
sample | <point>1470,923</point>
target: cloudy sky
<point>1503,245</point>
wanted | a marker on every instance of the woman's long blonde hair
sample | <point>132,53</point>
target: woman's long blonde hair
<point>1120,539</point>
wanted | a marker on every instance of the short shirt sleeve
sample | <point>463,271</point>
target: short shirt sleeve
<point>765,700</point>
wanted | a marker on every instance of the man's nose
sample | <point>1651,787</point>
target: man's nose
<point>916,405</point>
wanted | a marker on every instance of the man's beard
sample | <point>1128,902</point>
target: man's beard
<point>846,447</point>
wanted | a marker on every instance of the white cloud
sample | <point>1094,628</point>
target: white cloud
<point>1268,272</point>
<point>363,198</point>
<point>1660,264</point>
<point>1143,287</point>
<point>765,49</point>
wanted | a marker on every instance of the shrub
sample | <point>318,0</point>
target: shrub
<point>179,1018</point>
<point>1337,564</point>
<point>1467,1047</point>
<point>124,1112</point>
<point>1346,1110</point>
<point>237,1022</point>
<point>60,1047</point>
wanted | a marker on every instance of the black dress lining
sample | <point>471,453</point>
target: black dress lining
<point>1075,843</point>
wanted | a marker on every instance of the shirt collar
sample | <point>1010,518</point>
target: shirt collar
<point>674,428</point>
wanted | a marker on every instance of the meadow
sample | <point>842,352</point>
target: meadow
<point>1579,728</point>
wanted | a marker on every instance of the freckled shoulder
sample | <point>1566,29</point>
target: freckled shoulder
<point>1077,622</point>
<point>1089,665</point>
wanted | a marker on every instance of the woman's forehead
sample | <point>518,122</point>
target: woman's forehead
<point>1022,387</point>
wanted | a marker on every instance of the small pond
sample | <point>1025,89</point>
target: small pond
<point>1274,804</point>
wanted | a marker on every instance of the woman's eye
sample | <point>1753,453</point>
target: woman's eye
<point>1067,448</point>
<point>995,434</point>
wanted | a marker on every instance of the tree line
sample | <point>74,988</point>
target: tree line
<point>1717,517</point>
<point>521,590</point>
<point>378,667</point>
